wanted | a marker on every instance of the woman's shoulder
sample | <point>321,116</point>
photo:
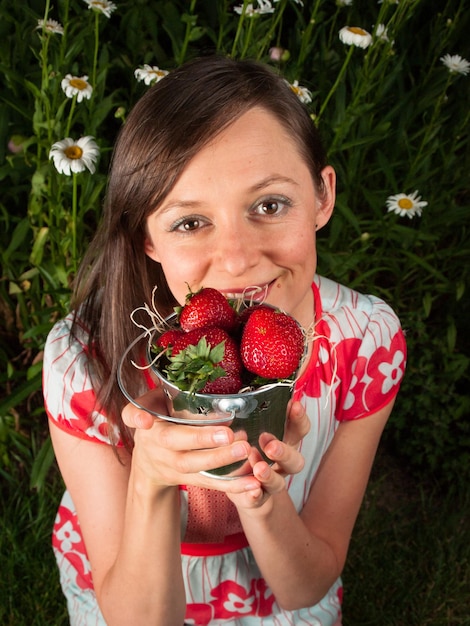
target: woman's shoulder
<point>69,395</point>
<point>349,313</point>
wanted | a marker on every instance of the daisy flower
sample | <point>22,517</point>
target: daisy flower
<point>75,86</point>
<point>381,32</point>
<point>71,156</point>
<point>103,6</point>
<point>405,204</point>
<point>456,64</point>
<point>149,74</point>
<point>355,36</point>
<point>264,6</point>
<point>51,26</point>
<point>304,94</point>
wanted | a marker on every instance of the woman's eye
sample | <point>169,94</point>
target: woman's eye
<point>188,224</point>
<point>272,206</point>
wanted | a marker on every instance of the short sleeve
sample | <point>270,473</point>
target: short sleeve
<point>373,370</point>
<point>358,355</point>
<point>69,397</point>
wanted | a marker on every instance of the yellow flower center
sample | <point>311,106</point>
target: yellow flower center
<point>357,31</point>
<point>295,89</point>
<point>73,152</point>
<point>405,203</point>
<point>78,83</point>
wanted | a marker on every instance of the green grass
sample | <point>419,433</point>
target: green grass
<point>408,563</point>
<point>29,581</point>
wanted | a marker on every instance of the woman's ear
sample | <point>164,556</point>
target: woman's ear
<point>326,202</point>
<point>150,250</point>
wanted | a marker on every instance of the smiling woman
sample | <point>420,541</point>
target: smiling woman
<point>218,180</point>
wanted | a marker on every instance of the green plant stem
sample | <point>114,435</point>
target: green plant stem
<point>247,38</point>
<point>306,35</point>
<point>339,78</point>
<point>74,220</point>
<point>187,34</point>
<point>95,52</point>
<point>239,28</point>
<point>69,121</point>
<point>431,128</point>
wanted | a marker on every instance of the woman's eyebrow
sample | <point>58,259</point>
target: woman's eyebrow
<point>272,179</point>
<point>179,204</point>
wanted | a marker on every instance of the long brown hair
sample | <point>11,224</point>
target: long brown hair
<point>165,129</point>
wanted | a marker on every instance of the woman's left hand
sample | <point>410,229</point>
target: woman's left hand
<point>285,455</point>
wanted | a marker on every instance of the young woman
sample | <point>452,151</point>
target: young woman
<point>218,180</point>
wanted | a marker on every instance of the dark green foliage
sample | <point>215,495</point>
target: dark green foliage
<point>396,122</point>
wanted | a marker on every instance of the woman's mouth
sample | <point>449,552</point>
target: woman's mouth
<point>253,293</point>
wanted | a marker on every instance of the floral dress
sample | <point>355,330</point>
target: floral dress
<point>356,367</point>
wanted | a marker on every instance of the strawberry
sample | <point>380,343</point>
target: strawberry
<point>245,313</point>
<point>205,360</point>
<point>168,338</point>
<point>272,343</point>
<point>207,307</point>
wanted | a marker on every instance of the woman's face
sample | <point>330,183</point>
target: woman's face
<point>243,215</point>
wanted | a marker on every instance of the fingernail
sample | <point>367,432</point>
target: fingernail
<point>251,486</point>
<point>275,450</point>
<point>264,473</point>
<point>239,451</point>
<point>220,437</point>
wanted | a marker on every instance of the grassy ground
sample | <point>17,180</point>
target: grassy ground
<point>409,562</point>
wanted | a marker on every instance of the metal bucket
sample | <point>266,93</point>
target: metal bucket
<point>248,414</point>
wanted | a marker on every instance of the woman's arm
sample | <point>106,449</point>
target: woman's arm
<point>129,511</point>
<point>131,530</point>
<point>301,556</point>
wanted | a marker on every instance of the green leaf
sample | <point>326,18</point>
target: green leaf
<point>38,246</point>
<point>41,466</point>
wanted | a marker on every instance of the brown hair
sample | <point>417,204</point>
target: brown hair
<point>165,129</point>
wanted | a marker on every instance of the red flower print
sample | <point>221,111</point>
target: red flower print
<point>231,600</point>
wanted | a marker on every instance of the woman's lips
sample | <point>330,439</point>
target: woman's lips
<point>253,292</point>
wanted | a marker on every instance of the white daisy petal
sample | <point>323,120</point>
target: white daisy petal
<point>355,36</point>
<point>456,64</point>
<point>264,7</point>
<point>74,156</point>
<point>149,74</point>
<point>102,6</point>
<point>76,86</point>
<point>51,26</point>
<point>304,94</point>
<point>404,204</point>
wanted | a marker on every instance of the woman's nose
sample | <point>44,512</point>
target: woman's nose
<point>237,250</point>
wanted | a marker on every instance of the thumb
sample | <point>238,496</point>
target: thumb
<point>135,415</point>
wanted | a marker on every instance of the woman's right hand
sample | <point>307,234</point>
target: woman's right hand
<point>172,454</point>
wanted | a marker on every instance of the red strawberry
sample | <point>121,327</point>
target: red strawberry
<point>231,361</point>
<point>168,338</point>
<point>202,357</point>
<point>245,313</point>
<point>207,307</point>
<point>231,383</point>
<point>272,343</point>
